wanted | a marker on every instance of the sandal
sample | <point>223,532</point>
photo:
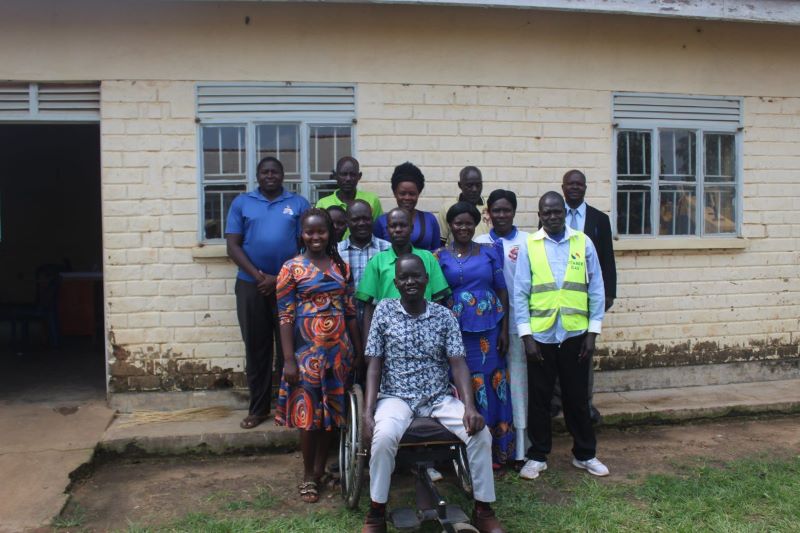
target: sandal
<point>251,421</point>
<point>309,492</point>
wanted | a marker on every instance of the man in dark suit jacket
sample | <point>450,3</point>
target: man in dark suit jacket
<point>597,226</point>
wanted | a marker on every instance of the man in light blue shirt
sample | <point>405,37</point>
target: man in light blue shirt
<point>557,352</point>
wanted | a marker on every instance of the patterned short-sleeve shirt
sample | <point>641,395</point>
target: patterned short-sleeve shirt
<point>415,352</point>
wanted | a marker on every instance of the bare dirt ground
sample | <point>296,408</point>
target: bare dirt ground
<point>128,492</point>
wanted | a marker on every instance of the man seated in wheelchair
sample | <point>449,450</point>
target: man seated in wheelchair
<point>411,346</point>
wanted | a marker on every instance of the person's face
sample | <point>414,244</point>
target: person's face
<point>406,195</point>
<point>270,177</point>
<point>410,279</point>
<point>315,234</point>
<point>348,176</point>
<point>339,223</point>
<point>552,215</point>
<point>360,222</point>
<point>502,215</point>
<point>471,186</point>
<point>463,228</point>
<point>574,188</point>
<point>399,225</point>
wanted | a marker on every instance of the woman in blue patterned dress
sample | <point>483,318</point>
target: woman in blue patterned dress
<point>316,311</point>
<point>475,274</point>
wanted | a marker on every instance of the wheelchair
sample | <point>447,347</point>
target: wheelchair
<point>426,442</point>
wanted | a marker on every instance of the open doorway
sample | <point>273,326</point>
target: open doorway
<point>51,312</point>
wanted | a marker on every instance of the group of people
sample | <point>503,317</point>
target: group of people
<point>412,302</point>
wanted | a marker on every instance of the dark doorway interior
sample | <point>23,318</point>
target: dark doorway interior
<point>51,332</point>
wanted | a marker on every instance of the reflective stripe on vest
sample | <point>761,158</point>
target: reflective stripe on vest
<point>547,300</point>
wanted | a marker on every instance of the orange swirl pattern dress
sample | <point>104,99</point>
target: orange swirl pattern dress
<point>318,305</point>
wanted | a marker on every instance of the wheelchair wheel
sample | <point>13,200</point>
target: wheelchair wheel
<point>461,468</point>
<point>351,461</point>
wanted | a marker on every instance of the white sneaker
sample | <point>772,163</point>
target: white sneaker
<point>434,474</point>
<point>532,468</point>
<point>593,466</point>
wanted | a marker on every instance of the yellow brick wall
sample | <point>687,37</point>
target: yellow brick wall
<point>171,319</point>
<point>171,316</point>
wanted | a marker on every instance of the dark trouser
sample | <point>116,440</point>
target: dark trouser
<point>560,360</point>
<point>589,391</point>
<point>258,320</point>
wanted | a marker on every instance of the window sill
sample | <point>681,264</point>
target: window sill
<point>210,251</point>
<point>681,243</point>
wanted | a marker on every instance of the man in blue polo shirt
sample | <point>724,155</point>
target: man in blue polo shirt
<point>261,232</point>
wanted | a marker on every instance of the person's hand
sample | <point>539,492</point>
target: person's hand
<point>587,348</point>
<point>266,283</point>
<point>473,421</point>
<point>532,349</point>
<point>502,343</point>
<point>291,374</point>
<point>609,303</point>
<point>367,428</point>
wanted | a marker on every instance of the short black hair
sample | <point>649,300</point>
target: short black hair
<point>459,208</point>
<point>569,173</point>
<point>408,172</point>
<point>551,194</point>
<point>469,168</point>
<point>359,201</point>
<point>336,208</point>
<point>404,211</point>
<point>502,194</point>
<point>345,159</point>
<point>411,257</point>
<point>270,159</point>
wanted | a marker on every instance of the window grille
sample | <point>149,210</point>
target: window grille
<point>308,127</point>
<point>677,165</point>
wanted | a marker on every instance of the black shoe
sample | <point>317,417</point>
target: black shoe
<point>595,416</point>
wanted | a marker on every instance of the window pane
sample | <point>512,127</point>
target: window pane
<point>633,210</point>
<point>327,144</point>
<point>281,141</point>
<point>633,155</point>
<point>320,189</point>
<point>719,213</point>
<point>677,151</point>
<point>218,199</point>
<point>224,153</point>
<point>720,158</point>
<point>677,210</point>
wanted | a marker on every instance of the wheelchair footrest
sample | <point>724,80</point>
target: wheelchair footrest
<point>404,518</point>
<point>456,514</point>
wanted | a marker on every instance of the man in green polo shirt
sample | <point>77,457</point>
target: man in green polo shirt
<point>348,174</point>
<point>377,282</point>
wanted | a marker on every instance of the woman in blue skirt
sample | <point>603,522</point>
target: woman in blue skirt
<point>475,274</point>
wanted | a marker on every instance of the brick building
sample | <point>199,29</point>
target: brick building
<point>686,121</point>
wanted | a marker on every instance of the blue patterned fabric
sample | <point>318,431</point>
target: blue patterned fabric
<point>415,352</point>
<point>474,280</point>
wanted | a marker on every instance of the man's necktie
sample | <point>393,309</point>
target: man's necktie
<point>573,218</point>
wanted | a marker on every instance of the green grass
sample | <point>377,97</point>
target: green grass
<point>72,518</point>
<point>263,500</point>
<point>753,495</point>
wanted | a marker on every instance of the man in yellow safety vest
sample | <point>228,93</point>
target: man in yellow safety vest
<point>559,302</point>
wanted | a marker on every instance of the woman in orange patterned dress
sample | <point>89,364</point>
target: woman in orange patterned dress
<point>319,338</point>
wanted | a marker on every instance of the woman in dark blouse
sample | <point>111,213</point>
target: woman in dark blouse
<point>407,185</point>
